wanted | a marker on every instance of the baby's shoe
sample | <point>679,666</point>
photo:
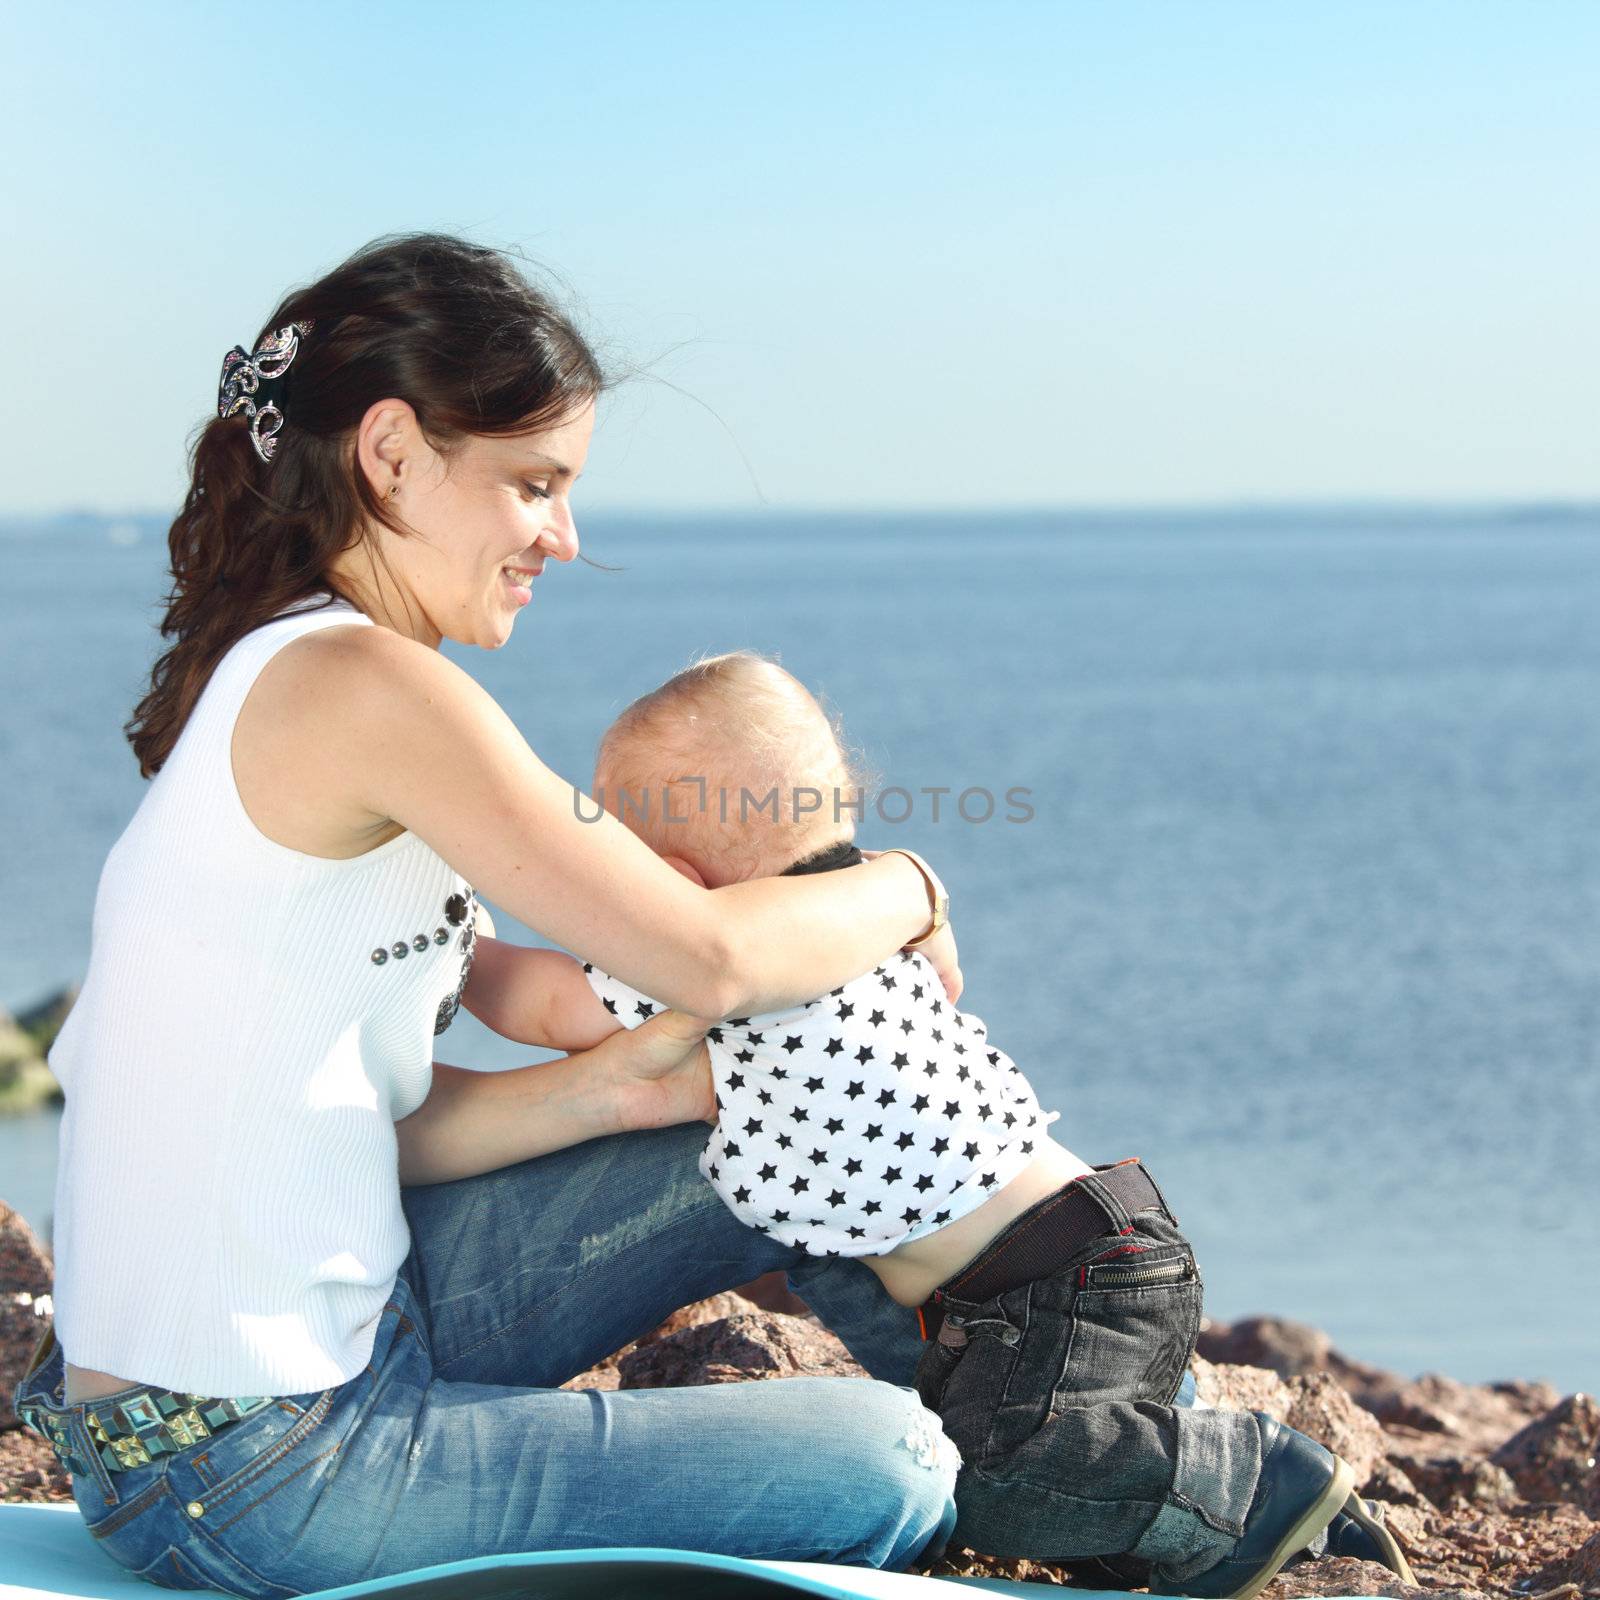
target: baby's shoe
<point>1302,1488</point>
<point>1359,1531</point>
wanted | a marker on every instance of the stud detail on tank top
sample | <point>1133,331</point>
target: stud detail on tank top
<point>419,942</point>
<point>468,913</point>
<point>379,956</point>
<point>399,949</point>
<point>441,936</point>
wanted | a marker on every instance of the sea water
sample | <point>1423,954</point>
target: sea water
<point>1291,883</point>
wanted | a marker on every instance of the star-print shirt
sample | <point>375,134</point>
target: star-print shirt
<point>860,1120</point>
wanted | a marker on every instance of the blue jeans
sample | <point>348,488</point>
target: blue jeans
<point>455,1442</point>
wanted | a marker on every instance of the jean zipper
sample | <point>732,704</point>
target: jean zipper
<point>1176,1270</point>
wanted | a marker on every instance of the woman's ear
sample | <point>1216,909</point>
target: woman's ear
<point>684,867</point>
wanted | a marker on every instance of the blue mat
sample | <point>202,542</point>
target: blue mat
<point>45,1550</point>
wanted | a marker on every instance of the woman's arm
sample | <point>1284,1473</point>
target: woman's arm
<point>650,1077</point>
<point>420,741</point>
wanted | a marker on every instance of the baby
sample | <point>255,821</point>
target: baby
<point>1059,1301</point>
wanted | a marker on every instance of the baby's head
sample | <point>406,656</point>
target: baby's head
<point>730,770</point>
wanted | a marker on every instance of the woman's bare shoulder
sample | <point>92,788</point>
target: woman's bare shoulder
<point>318,715</point>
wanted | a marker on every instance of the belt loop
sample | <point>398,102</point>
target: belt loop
<point>1095,1186</point>
<point>1161,1199</point>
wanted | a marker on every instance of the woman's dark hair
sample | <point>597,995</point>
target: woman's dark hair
<point>452,328</point>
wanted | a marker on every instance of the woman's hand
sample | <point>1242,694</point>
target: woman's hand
<point>940,950</point>
<point>661,1071</point>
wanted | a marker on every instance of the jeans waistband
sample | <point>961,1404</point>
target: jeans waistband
<point>1049,1231</point>
<point>126,1429</point>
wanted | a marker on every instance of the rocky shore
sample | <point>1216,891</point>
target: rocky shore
<point>1492,1489</point>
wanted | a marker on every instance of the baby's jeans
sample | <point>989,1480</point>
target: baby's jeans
<point>454,1441</point>
<point>1063,1397</point>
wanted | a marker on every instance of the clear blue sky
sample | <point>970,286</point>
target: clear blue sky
<point>891,254</point>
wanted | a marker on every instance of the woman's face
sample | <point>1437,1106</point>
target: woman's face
<point>485,519</point>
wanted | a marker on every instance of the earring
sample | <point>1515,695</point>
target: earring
<point>394,488</point>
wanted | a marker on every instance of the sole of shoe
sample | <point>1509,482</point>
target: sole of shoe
<point>1333,1499</point>
<point>1394,1557</point>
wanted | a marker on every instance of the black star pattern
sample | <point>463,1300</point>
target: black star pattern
<point>993,1098</point>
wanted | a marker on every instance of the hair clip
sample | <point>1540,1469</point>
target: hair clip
<point>245,377</point>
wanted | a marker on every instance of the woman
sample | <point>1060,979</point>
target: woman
<point>287,1371</point>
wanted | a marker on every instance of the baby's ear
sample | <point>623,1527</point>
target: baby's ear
<point>684,867</point>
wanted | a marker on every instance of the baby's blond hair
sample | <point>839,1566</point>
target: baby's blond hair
<point>734,744</point>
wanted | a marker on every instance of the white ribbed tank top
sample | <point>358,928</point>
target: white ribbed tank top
<point>227,1210</point>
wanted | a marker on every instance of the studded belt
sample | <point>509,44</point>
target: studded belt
<point>130,1430</point>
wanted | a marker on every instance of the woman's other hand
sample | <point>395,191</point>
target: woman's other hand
<point>940,950</point>
<point>661,1071</point>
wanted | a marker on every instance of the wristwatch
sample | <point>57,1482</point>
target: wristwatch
<point>937,897</point>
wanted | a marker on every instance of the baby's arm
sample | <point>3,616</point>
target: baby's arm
<point>538,997</point>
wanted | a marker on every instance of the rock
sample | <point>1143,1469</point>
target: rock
<point>25,1278</point>
<point>1240,1388</point>
<point>25,1263</point>
<point>1478,1416</point>
<point>1390,1483</point>
<point>1445,1470</point>
<point>42,1021</point>
<point>1338,1576</point>
<point>1320,1408</point>
<point>1553,1458</point>
<point>752,1344</point>
<point>1285,1347</point>
<point>1313,1403</point>
<point>1584,1568</point>
<point>606,1375</point>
